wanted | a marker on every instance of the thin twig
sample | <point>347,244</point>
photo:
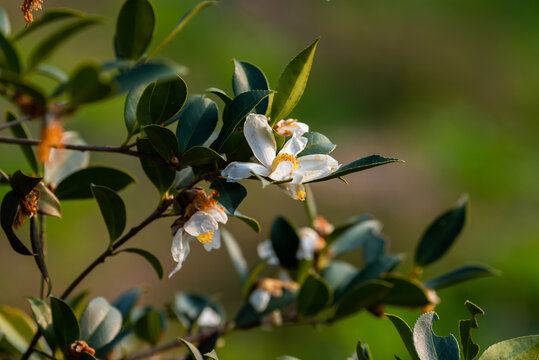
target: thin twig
<point>110,149</point>
<point>43,354</point>
<point>14,122</point>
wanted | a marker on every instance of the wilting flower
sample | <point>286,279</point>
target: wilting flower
<point>27,207</point>
<point>281,166</point>
<point>28,6</point>
<point>266,288</point>
<point>290,127</point>
<point>62,163</point>
<point>51,133</point>
<point>309,243</point>
<point>200,222</point>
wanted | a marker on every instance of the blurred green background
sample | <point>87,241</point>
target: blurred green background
<point>449,86</point>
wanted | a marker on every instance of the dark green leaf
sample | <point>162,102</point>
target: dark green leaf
<point>188,308</point>
<point>238,109</point>
<point>200,155</point>
<point>292,83</point>
<point>151,258</point>
<point>19,131</point>
<point>134,28</point>
<point>355,237</point>
<point>9,57</point>
<point>23,184</point>
<point>405,292</point>
<point>23,86</point>
<point>5,25</point>
<point>338,273</point>
<point>441,234</point>
<point>249,77</point>
<point>78,303</point>
<point>184,177</point>
<point>459,275</point>
<point>192,349</point>
<point>469,348</point>
<point>130,110</point>
<point>85,86</point>
<point>405,333</point>
<point>112,209</point>
<point>252,223</point>
<point>163,141</point>
<point>100,323</point>
<point>313,296</point>
<point>39,255</point>
<point>48,17</point>
<point>65,324</point>
<point>46,47</point>
<point>520,348</point>
<point>236,255</point>
<point>10,205</point>
<point>285,242</point>
<point>361,296</point>
<point>236,147</point>
<point>43,317</point>
<point>86,356</point>
<point>230,194</point>
<point>430,346</point>
<point>77,185</point>
<point>48,203</point>
<point>197,120</point>
<point>146,73</point>
<point>359,165</point>
<point>363,352</point>
<point>126,302</point>
<point>317,144</point>
<point>221,94</point>
<point>159,174</point>
<point>161,100</point>
<point>149,327</point>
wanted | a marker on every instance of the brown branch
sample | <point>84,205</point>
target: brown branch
<point>15,122</point>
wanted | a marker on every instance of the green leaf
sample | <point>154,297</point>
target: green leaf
<point>355,237</point>
<point>39,255</point>
<point>149,326</point>
<point>212,355</point>
<point>469,348</point>
<point>188,308</point>
<point>358,165</point>
<point>100,323</point>
<point>163,141</point>
<point>338,273</point>
<point>16,328</point>
<point>5,25</point>
<point>405,333</point>
<point>8,211</point>
<point>65,324</point>
<point>292,83</point>
<point>47,47</point>
<point>253,276</point>
<point>23,184</point>
<point>126,302</point>
<point>9,57</point>
<point>428,345</point>
<point>78,303</point>
<point>520,348</point>
<point>182,22</point>
<point>43,317</point>
<point>151,258</point>
<point>85,86</point>
<point>134,28</point>
<point>112,209</point>
<point>405,292</point>
<point>249,77</point>
<point>184,178</point>
<point>200,155</point>
<point>236,147</point>
<point>48,17</point>
<point>130,110</point>
<point>192,349</point>
<point>197,121</point>
<point>21,132</point>
<point>86,356</point>
<point>159,174</point>
<point>235,254</point>
<point>52,73</point>
<point>459,275</point>
<point>146,73</point>
<point>441,234</point>
<point>285,242</point>
<point>230,194</point>
<point>221,94</point>
<point>161,100</point>
<point>77,185</point>
<point>361,296</point>
<point>252,223</point>
<point>313,296</point>
<point>25,87</point>
<point>238,109</point>
<point>363,352</point>
<point>248,316</point>
<point>317,144</point>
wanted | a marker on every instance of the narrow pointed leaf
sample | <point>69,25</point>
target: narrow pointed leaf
<point>163,140</point>
<point>221,94</point>
<point>313,296</point>
<point>100,323</point>
<point>363,352</point>
<point>235,254</point>
<point>65,324</point>
<point>520,348</point>
<point>197,121</point>
<point>43,317</point>
<point>405,333</point>
<point>151,258</point>
<point>39,255</point>
<point>134,28</point>
<point>211,355</point>
<point>48,17</point>
<point>252,223</point>
<point>465,273</point>
<point>432,347</point>
<point>112,209</point>
<point>21,132</point>
<point>5,25</point>
<point>195,353</point>
<point>292,83</point>
<point>8,211</point>
<point>249,77</point>
<point>359,165</point>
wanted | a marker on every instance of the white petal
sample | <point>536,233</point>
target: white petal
<point>260,299</point>
<point>295,128</point>
<point>200,223</point>
<point>313,167</point>
<point>218,213</point>
<point>308,239</point>
<point>295,190</point>
<point>64,162</point>
<point>215,242</point>
<point>283,171</point>
<point>236,170</point>
<point>209,317</point>
<point>180,249</point>
<point>260,138</point>
<point>266,252</point>
<point>294,145</point>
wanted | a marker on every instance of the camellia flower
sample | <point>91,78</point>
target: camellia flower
<point>281,166</point>
<point>309,243</point>
<point>290,127</point>
<point>266,288</point>
<point>200,222</point>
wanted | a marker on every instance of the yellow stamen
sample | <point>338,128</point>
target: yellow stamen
<point>300,194</point>
<point>205,238</point>
<point>284,157</point>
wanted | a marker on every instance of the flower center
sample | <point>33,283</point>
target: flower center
<point>205,238</point>
<point>284,157</point>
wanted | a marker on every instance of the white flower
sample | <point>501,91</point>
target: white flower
<point>309,242</point>
<point>209,317</point>
<point>62,163</point>
<point>268,288</point>
<point>291,127</point>
<point>259,300</point>
<point>202,225</point>
<point>282,166</point>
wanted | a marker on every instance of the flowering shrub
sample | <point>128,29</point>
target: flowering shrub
<point>196,153</point>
